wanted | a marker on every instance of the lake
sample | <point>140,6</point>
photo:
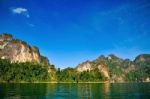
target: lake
<point>75,91</point>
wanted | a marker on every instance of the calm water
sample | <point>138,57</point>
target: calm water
<point>75,91</point>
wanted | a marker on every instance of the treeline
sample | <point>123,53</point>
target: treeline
<point>32,72</point>
<point>71,75</point>
<point>28,72</point>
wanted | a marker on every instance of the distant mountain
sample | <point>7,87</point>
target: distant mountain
<point>116,69</point>
<point>17,50</point>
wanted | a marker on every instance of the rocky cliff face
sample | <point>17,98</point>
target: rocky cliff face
<point>88,66</point>
<point>142,58</point>
<point>85,66</point>
<point>18,51</point>
<point>115,68</point>
<point>104,71</point>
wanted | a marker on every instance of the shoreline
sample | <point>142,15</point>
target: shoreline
<point>54,82</point>
<point>73,82</point>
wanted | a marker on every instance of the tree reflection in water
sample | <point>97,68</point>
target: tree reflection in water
<point>74,91</point>
<point>22,90</point>
<point>84,91</point>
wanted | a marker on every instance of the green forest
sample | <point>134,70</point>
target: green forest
<point>33,72</point>
<point>71,75</point>
<point>38,68</point>
<point>28,72</point>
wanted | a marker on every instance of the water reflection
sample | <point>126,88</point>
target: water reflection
<point>60,91</point>
<point>106,90</point>
<point>84,91</point>
<point>19,91</point>
<point>75,91</point>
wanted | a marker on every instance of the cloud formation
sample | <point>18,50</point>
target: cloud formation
<point>21,11</point>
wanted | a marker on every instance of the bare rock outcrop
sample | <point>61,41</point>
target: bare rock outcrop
<point>16,50</point>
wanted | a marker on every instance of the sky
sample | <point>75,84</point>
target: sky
<point>69,32</point>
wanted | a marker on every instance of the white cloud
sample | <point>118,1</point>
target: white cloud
<point>21,11</point>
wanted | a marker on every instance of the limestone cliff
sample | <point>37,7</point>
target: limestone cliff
<point>142,58</point>
<point>16,50</point>
<point>112,67</point>
<point>88,66</point>
<point>85,66</point>
<point>120,70</point>
<point>104,71</point>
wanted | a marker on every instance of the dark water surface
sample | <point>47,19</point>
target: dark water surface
<point>75,91</point>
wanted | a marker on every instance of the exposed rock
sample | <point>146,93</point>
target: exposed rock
<point>104,71</point>
<point>18,51</point>
<point>88,66</point>
<point>115,68</point>
<point>142,58</point>
<point>85,66</point>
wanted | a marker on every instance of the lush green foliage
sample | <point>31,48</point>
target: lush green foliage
<point>125,70</point>
<point>29,72</point>
<point>141,72</point>
<point>71,75</point>
<point>136,75</point>
<point>32,72</point>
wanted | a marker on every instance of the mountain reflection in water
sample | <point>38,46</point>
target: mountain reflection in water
<point>74,91</point>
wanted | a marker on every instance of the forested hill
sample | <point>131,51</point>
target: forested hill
<point>115,69</point>
<point>20,62</point>
<point>110,69</point>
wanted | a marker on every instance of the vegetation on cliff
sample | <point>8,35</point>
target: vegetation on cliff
<point>120,70</point>
<point>20,62</point>
<point>26,72</point>
<point>34,72</point>
<point>72,75</point>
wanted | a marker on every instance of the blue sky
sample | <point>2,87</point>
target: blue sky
<point>69,32</point>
